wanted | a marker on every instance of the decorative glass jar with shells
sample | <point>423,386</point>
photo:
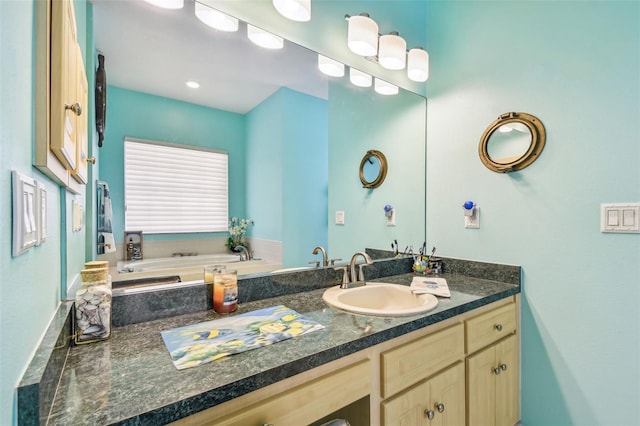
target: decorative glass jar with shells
<point>93,306</point>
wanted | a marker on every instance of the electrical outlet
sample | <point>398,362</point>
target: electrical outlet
<point>473,222</point>
<point>391,218</point>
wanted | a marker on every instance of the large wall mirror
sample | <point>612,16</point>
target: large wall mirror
<point>295,137</point>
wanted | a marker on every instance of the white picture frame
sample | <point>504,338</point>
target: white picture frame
<point>25,213</point>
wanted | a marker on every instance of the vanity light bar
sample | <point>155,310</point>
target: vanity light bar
<point>389,50</point>
<point>296,10</point>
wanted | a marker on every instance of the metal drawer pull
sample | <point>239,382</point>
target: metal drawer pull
<point>503,367</point>
<point>498,327</point>
<point>440,407</point>
<point>496,371</point>
<point>430,414</point>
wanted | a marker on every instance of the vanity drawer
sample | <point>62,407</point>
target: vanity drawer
<point>408,364</point>
<point>490,327</point>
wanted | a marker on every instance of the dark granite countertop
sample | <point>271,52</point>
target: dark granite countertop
<point>130,378</point>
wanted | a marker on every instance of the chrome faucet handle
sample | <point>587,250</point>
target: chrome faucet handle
<point>332,262</point>
<point>316,262</point>
<point>345,276</point>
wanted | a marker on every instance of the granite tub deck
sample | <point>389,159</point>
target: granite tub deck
<point>130,378</point>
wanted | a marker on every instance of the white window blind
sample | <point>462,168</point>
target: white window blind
<point>174,189</point>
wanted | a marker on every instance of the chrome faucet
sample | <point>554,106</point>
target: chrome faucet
<point>325,260</point>
<point>352,266</point>
<point>244,253</point>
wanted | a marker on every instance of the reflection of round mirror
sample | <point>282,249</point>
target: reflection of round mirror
<point>373,169</point>
<point>512,142</point>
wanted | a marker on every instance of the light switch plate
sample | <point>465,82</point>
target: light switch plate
<point>620,218</point>
<point>339,218</point>
<point>25,219</point>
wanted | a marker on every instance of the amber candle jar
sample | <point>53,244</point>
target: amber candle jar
<point>225,291</point>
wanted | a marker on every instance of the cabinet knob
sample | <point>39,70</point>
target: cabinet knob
<point>498,327</point>
<point>503,367</point>
<point>496,371</point>
<point>91,160</point>
<point>430,414</point>
<point>439,406</point>
<point>76,108</point>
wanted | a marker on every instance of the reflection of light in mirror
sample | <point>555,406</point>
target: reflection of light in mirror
<point>362,35</point>
<point>216,19</point>
<point>296,10</point>
<point>263,38</point>
<point>418,64</point>
<point>330,67</point>
<point>505,128</point>
<point>384,88</point>
<point>359,78</point>
<point>193,84</point>
<point>167,4</point>
<point>392,51</point>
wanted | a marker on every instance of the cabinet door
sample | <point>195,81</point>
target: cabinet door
<point>64,101</point>
<point>507,382</point>
<point>492,385</point>
<point>82,125</point>
<point>437,401</point>
<point>480,388</point>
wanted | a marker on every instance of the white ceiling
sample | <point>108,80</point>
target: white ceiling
<point>154,50</point>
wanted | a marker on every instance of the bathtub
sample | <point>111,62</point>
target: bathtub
<point>176,262</point>
<point>188,268</point>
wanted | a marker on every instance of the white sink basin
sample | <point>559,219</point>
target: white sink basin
<point>380,299</point>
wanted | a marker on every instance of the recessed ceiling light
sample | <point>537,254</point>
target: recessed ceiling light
<point>193,84</point>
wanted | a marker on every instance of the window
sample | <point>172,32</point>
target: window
<point>174,188</point>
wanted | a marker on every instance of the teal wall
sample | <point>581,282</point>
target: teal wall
<point>576,66</point>
<point>396,126</point>
<point>32,284</point>
<point>287,173</point>
<point>144,116</point>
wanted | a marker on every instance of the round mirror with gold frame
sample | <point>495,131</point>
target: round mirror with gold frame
<point>512,142</point>
<point>373,169</point>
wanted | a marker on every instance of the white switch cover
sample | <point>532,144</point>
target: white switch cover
<point>339,218</point>
<point>620,218</point>
<point>25,203</point>
<point>473,222</point>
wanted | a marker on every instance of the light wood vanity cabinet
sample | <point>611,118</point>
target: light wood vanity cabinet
<point>461,370</point>
<point>493,372</point>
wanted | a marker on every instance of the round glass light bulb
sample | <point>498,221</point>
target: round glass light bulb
<point>296,10</point>
<point>392,52</point>
<point>215,18</point>
<point>418,65</point>
<point>359,78</point>
<point>362,35</point>
<point>193,84</point>
<point>263,38</point>
<point>384,88</point>
<point>167,4</point>
<point>330,67</point>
